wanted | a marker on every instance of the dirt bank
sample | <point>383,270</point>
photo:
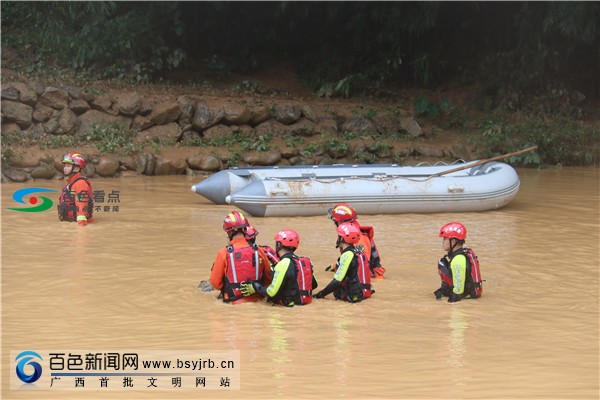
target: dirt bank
<point>325,130</point>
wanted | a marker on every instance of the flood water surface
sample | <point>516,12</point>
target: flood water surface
<point>129,282</point>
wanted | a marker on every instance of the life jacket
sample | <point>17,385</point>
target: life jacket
<point>304,277</point>
<point>444,271</point>
<point>475,272</point>
<point>474,283</point>
<point>375,259</point>
<point>271,255</point>
<point>67,208</point>
<point>357,284</point>
<point>297,284</point>
<point>242,266</point>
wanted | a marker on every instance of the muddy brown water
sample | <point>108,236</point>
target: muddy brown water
<point>130,282</point>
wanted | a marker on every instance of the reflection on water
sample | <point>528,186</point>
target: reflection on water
<point>279,343</point>
<point>458,326</point>
<point>130,281</point>
<point>343,347</point>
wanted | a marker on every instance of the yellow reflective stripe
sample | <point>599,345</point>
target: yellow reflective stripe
<point>344,265</point>
<point>459,271</point>
<point>344,208</point>
<point>81,218</point>
<point>231,216</point>
<point>279,273</point>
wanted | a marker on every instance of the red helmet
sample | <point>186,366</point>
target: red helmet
<point>288,238</point>
<point>234,220</point>
<point>454,230</point>
<point>342,212</point>
<point>349,233</point>
<point>75,159</point>
<point>251,232</point>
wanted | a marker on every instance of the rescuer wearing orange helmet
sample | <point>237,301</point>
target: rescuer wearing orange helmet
<point>344,212</point>
<point>76,202</point>
<point>238,262</point>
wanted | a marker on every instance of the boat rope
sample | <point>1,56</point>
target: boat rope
<point>377,178</point>
<point>438,163</point>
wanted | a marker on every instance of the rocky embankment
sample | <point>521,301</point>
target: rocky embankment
<point>293,132</point>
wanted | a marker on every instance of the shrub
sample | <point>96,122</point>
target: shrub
<point>108,138</point>
<point>310,150</point>
<point>559,141</point>
<point>336,147</point>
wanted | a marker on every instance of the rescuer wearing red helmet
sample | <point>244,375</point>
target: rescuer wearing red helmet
<point>293,278</point>
<point>459,268</point>
<point>76,202</point>
<point>238,262</point>
<point>344,212</point>
<point>352,279</point>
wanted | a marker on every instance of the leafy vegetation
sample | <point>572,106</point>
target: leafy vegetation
<point>382,148</point>
<point>245,87</point>
<point>310,150</point>
<point>108,138</point>
<point>7,154</point>
<point>347,48</point>
<point>260,143</point>
<point>336,148</point>
<point>425,107</point>
<point>236,141</point>
<point>127,40</point>
<point>364,156</point>
<point>348,135</point>
<point>559,141</point>
<point>292,140</point>
<point>54,141</point>
<point>533,60</point>
<point>235,158</point>
<point>195,141</point>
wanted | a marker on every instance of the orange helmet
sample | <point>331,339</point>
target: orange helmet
<point>342,212</point>
<point>349,233</point>
<point>288,238</point>
<point>234,220</point>
<point>454,230</point>
<point>75,159</point>
<point>251,232</point>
